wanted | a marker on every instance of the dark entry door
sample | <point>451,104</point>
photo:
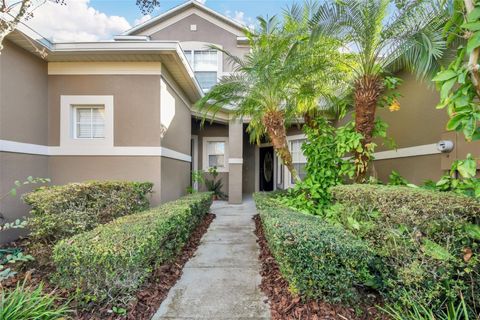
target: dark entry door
<point>266,169</point>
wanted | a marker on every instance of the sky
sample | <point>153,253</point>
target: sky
<point>93,20</point>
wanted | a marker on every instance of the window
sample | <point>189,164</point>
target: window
<point>205,65</point>
<point>298,159</point>
<point>215,153</point>
<point>89,122</point>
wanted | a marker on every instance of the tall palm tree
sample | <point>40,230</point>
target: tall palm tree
<point>275,83</point>
<point>384,37</point>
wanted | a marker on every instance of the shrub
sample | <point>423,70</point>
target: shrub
<point>317,259</point>
<point>428,241</point>
<point>59,212</point>
<point>24,303</point>
<point>109,263</point>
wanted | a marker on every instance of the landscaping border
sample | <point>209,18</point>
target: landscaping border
<point>284,305</point>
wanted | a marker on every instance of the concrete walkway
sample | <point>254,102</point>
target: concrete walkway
<point>221,280</point>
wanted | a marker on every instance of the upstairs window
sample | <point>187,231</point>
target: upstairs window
<point>89,122</point>
<point>205,65</point>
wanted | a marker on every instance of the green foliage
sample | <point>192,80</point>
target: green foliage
<point>459,83</point>
<point>8,257</point>
<point>24,303</point>
<point>215,186</point>
<point>108,263</point>
<point>466,183</point>
<point>319,261</point>
<point>62,211</point>
<point>427,240</point>
<point>327,164</point>
<point>417,311</point>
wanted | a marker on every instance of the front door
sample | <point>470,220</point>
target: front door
<point>266,169</point>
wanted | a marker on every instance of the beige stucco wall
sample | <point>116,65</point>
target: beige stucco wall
<point>15,166</point>
<point>136,105</point>
<point>23,96</point>
<point>175,179</point>
<point>206,32</point>
<point>175,118</point>
<point>65,169</point>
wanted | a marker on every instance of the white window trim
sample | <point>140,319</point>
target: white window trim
<point>68,105</point>
<point>205,142</point>
<point>287,177</point>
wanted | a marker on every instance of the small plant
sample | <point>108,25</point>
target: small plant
<point>197,177</point>
<point>417,311</point>
<point>11,256</point>
<point>24,303</point>
<point>215,185</point>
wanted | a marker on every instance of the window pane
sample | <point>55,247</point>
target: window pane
<point>84,130</point>
<point>90,123</point>
<point>216,161</point>
<point>206,60</point>
<point>300,167</point>
<point>206,79</point>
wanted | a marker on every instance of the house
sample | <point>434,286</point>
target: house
<point>124,109</point>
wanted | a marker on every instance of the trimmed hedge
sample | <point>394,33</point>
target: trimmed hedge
<point>109,263</point>
<point>59,212</point>
<point>317,259</point>
<point>428,241</point>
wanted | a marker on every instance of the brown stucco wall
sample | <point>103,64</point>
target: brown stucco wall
<point>414,169</point>
<point>417,122</point>
<point>16,166</point>
<point>179,132</point>
<point>206,32</point>
<point>136,105</point>
<point>175,179</point>
<point>65,169</point>
<point>210,130</point>
<point>23,96</point>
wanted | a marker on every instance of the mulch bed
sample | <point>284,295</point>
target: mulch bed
<point>285,306</point>
<point>148,298</point>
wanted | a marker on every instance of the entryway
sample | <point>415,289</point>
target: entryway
<point>266,169</point>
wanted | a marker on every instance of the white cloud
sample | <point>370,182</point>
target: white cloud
<point>75,21</point>
<point>142,19</point>
<point>202,1</point>
<point>239,16</point>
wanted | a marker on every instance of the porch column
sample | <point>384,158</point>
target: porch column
<point>235,161</point>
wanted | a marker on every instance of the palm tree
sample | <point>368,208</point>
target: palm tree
<point>275,84</point>
<point>383,38</point>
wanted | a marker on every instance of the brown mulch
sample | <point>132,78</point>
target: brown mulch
<point>285,306</point>
<point>148,298</point>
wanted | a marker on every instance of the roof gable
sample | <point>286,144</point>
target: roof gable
<point>182,11</point>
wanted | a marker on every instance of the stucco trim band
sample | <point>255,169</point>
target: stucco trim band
<point>103,68</point>
<point>423,150</point>
<point>235,161</point>
<point>27,148</point>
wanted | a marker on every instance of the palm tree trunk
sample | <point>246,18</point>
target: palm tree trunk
<point>274,122</point>
<point>367,92</point>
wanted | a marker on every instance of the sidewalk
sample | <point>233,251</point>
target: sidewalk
<point>221,280</point>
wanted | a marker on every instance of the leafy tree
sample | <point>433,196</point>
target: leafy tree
<point>276,83</point>
<point>384,37</point>
<point>459,84</point>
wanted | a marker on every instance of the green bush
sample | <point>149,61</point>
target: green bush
<point>317,259</point>
<point>24,303</point>
<point>108,263</point>
<point>428,241</point>
<point>59,212</point>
